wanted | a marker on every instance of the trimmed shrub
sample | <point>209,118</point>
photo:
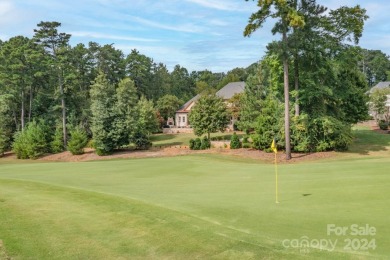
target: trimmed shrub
<point>78,141</point>
<point>197,144</point>
<point>18,146</point>
<point>205,144</point>
<point>383,125</point>
<point>192,144</point>
<point>102,149</point>
<point>57,145</point>
<point>235,142</point>
<point>32,142</point>
<point>141,141</point>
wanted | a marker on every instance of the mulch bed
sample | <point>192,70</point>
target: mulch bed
<point>90,155</point>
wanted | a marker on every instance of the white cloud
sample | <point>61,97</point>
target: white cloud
<point>218,22</point>
<point>111,37</point>
<point>212,4</point>
<point>190,28</point>
<point>222,5</point>
<point>5,8</point>
<point>7,13</point>
<point>196,34</point>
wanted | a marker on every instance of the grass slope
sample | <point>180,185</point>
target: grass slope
<point>198,206</point>
<point>210,208</point>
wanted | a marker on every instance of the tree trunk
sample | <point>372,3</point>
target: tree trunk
<point>30,105</point>
<point>22,111</point>
<point>15,117</point>
<point>296,83</point>
<point>286,101</point>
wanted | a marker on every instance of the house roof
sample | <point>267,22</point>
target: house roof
<point>184,108</point>
<point>380,85</point>
<point>228,91</point>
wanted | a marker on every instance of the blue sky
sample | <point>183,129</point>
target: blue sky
<point>197,34</point>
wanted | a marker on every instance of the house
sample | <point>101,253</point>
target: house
<point>226,93</point>
<point>181,116</point>
<point>380,85</point>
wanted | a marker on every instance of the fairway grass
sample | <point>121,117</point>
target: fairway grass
<point>197,206</point>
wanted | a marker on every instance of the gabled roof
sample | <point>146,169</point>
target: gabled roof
<point>184,108</point>
<point>228,91</point>
<point>380,85</point>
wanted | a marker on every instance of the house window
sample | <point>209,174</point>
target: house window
<point>184,119</point>
<point>179,119</point>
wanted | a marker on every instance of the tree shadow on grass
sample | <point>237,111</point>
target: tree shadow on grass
<point>366,141</point>
<point>169,144</point>
<point>162,137</point>
<point>165,140</point>
<point>299,155</point>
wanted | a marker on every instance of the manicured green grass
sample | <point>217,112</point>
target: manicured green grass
<point>367,141</point>
<point>203,206</point>
<point>198,206</point>
<point>183,139</point>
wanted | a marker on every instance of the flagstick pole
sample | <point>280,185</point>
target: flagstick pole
<point>276,180</point>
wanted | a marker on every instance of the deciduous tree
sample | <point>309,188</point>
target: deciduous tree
<point>168,105</point>
<point>209,115</point>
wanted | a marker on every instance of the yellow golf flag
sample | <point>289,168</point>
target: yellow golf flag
<point>273,146</point>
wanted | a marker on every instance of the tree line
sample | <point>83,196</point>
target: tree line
<point>315,54</point>
<point>52,91</point>
<point>45,80</point>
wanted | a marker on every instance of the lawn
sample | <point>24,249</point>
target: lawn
<point>183,139</point>
<point>197,206</point>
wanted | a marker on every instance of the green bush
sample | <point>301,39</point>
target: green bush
<point>57,144</point>
<point>327,133</point>
<point>300,138</point>
<point>384,125</point>
<point>32,142</point>
<point>269,125</point>
<point>197,144</point>
<point>19,144</point>
<point>102,149</point>
<point>141,141</point>
<point>235,142</point>
<point>4,143</point>
<point>90,144</point>
<point>78,141</point>
<point>192,144</point>
<point>205,143</point>
<point>6,122</point>
<point>246,145</point>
